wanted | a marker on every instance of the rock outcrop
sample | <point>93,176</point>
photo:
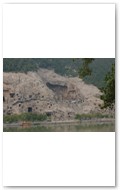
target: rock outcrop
<point>47,92</point>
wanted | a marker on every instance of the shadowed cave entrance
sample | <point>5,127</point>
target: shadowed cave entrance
<point>58,89</point>
<point>29,109</point>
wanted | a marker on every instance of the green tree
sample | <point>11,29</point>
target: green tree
<point>109,90</point>
<point>85,69</point>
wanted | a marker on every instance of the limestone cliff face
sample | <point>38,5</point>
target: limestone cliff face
<point>47,92</point>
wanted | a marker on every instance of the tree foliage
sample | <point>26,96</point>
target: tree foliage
<point>109,90</point>
<point>85,69</point>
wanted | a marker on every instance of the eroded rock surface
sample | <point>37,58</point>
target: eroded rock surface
<point>47,92</point>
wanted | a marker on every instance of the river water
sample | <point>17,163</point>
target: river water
<point>109,127</point>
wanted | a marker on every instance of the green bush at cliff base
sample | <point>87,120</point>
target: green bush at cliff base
<point>24,117</point>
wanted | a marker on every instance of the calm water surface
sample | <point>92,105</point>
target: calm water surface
<point>65,128</point>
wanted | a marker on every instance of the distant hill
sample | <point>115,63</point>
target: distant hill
<point>63,66</point>
<point>100,67</point>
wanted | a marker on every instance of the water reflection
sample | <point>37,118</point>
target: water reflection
<point>65,128</point>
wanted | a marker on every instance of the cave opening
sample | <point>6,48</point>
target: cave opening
<point>29,109</point>
<point>12,95</point>
<point>56,87</point>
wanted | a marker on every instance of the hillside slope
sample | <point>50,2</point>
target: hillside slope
<point>63,66</point>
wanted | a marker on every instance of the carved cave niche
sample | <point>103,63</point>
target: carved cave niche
<point>29,109</point>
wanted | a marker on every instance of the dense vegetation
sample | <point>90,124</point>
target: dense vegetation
<point>64,66</point>
<point>99,69</point>
<point>109,89</point>
<point>85,70</point>
<point>61,66</point>
<point>24,117</point>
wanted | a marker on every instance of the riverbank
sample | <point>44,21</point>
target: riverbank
<point>103,124</point>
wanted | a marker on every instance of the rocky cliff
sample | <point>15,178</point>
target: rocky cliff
<point>45,91</point>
